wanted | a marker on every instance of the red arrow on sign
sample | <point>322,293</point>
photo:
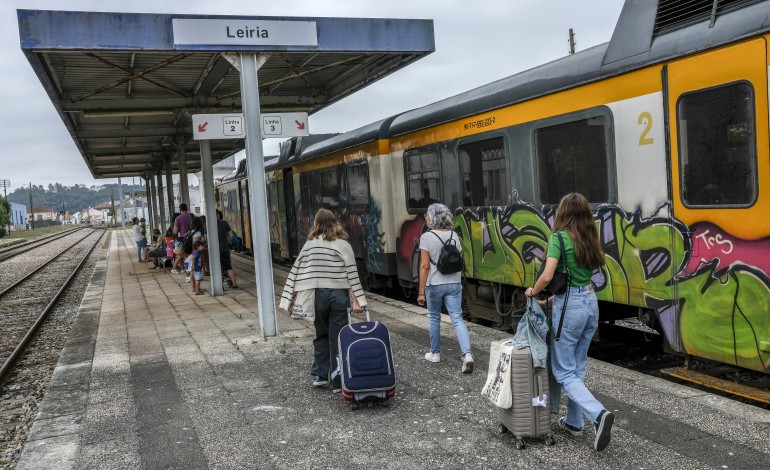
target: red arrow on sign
<point>202,127</point>
<point>300,125</point>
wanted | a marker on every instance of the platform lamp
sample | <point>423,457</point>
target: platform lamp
<point>5,185</point>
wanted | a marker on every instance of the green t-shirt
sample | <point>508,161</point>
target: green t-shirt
<point>578,275</point>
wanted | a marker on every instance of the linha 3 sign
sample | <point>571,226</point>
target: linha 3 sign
<point>244,32</point>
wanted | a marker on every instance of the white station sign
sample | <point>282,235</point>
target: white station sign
<point>244,32</point>
<point>218,126</point>
<point>232,126</point>
<point>284,125</point>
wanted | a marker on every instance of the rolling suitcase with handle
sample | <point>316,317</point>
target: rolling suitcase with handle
<point>530,412</point>
<point>365,362</point>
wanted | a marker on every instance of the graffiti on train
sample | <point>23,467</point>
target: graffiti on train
<point>709,288</point>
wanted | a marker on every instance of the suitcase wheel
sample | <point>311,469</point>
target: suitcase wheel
<point>549,440</point>
<point>502,429</point>
<point>520,444</point>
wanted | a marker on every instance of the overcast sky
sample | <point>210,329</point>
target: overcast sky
<point>477,42</point>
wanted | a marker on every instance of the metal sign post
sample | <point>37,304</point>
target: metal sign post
<point>260,232</point>
<point>6,184</point>
<point>215,268</point>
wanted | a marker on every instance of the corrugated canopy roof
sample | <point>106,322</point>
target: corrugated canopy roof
<point>126,92</point>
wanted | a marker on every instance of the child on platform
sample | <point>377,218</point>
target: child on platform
<point>197,267</point>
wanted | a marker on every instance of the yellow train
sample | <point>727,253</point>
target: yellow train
<point>664,129</point>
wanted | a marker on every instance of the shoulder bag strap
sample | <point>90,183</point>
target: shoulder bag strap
<point>566,295</point>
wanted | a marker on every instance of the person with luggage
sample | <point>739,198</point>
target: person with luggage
<point>583,254</point>
<point>327,264</point>
<point>436,288</point>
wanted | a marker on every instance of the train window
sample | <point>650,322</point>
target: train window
<point>573,157</point>
<point>306,191</point>
<point>717,146</point>
<point>483,168</point>
<point>423,177</point>
<point>358,186</point>
<point>330,188</point>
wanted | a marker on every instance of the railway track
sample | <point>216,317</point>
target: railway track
<point>24,247</point>
<point>26,302</point>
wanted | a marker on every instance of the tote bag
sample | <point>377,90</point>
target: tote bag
<point>498,386</point>
<point>303,306</point>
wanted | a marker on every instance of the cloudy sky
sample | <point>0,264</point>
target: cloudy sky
<point>477,42</point>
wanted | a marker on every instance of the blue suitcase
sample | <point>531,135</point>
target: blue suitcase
<point>365,361</point>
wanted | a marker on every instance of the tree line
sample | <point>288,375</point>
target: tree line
<point>71,199</point>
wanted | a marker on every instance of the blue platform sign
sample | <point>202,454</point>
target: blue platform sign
<point>244,32</point>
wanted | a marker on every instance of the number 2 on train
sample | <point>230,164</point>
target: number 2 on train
<point>643,139</point>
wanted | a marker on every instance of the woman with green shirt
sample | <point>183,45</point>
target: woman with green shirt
<point>583,254</point>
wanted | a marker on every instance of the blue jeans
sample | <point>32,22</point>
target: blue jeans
<point>569,355</point>
<point>139,247</point>
<point>450,295</point>
<point>331,314</point>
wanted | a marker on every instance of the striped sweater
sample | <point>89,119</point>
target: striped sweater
<point>323,264</point>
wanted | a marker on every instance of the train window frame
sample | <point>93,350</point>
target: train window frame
<point>505,192</point>
<point>358,207</point>
<point>425,149</point>
<point>753,159</point>
<point>322,189</point>
<point>609,147</point>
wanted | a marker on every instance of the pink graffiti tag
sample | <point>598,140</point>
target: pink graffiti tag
<point>709,242</point>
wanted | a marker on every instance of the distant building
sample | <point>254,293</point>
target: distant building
<point>44,213</point>
<point>18,216</point>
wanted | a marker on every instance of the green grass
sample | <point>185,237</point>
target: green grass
<point>38,232</point>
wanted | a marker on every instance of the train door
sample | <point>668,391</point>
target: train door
<point>717,105</point>
<point>288,195</point>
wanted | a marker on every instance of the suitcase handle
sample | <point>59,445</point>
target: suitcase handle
<point>350,318</point>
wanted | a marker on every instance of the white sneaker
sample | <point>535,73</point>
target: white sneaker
<point>467,363</point>
<point>433,357</point>
<point>174,271</point>
<point>187,279</point>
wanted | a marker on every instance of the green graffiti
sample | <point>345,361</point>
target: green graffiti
<point>724,317</point>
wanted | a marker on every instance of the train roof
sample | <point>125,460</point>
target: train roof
<point>369,133</point>
<point>646,33</point>
<point>242,170</point>
<point>296,145</point>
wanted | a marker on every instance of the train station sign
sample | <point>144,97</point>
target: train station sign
<point>231,126</point>
<point>243,32</point>
<point>284,125</point>
<point>218,126</point>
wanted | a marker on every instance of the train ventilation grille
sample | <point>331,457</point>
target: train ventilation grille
<point>676,14</point>
<point>293,148</point>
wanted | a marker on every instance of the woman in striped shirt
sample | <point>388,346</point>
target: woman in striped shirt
<point>327,265</point>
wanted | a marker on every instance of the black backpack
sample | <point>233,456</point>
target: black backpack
<point>187,242</point>
<point>450,260</point>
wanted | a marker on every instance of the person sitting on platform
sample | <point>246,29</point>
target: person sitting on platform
<point>156,251</point>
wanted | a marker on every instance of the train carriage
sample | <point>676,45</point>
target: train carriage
<point>664,129</point>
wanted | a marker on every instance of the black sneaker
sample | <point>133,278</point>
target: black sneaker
<point>603,427</point>
<point>320,381</point>
<point>568,427</point>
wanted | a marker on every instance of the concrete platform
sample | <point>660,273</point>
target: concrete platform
<point>154,377</point>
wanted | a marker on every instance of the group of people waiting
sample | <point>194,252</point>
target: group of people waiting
<point>326,264</point>
<point>186,244</point>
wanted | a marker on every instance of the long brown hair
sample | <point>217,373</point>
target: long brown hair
<point>327,224</point>
<point>575,217</point>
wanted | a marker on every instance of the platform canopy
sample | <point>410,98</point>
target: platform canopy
<point>126,84</point>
